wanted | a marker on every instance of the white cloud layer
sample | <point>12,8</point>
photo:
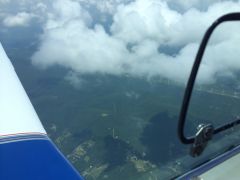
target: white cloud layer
<point>135,41</point>
<point>104,6</point>
<point>20,19</point>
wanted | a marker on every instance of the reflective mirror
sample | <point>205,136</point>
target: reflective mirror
<point>215,97</point>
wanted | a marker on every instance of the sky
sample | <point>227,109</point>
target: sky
<point>141,38</point>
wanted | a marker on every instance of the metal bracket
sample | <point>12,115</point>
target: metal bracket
<point>203,135</point>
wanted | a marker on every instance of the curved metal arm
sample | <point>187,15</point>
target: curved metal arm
<point>191,81</point>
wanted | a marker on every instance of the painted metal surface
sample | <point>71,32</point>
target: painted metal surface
<point>26,153</point>
<point>225,166</point>
<point>17,114</point>
<point>33,156</point>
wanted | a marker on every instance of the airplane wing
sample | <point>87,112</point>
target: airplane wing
<point>26,152</point>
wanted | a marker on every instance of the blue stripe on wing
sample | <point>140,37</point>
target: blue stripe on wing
<point>33,157</point>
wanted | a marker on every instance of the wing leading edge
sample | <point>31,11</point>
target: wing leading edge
<point>25,149</point>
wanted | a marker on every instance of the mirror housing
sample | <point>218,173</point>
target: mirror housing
<point>205,132</point>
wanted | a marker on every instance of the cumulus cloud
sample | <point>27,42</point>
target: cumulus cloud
<point>104,6</point>
<point>135,41</point>
<point>74,80</point>
<point>20,19</point>
<point>221,58</point>
<point>184,5</point>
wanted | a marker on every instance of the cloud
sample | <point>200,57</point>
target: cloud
<point>74,80</point>
<point>184,5</point>
<point>20,19</point>
<point>136,40</point>
<point>4,1</point>
<point>104,6</point>
<point>221,58</point>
